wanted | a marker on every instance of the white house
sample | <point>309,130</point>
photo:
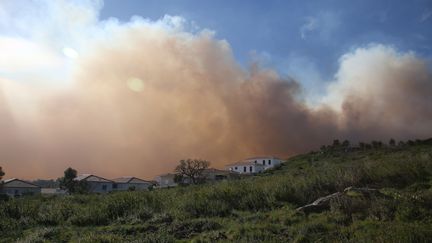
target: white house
<point>254,165</point>
<point>130,182</point>
<point>267,161</point>
<point>246,167</point>
<point>16,188</point>
<point>166,180</point>
<point>96,184</point>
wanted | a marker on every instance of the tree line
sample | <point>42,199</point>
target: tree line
<point>346,145</point>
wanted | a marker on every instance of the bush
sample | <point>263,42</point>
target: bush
<point>253,209</point>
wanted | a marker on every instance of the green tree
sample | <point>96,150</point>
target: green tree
<point>345,144</point>
<point>68,182</point>
<point>392,142</point>
<point>376,144</point>
<point>179,179</point>
<point>323,148</point>
<point>1,173</point>
<point>336,143</point>
<point>192,169</point>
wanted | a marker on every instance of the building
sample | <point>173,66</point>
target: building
<point>246,167</point>
<point>268,162</point>
<point>254,165</point>
<point>212,174</point>
<point>53,191</point>
<point>96,184</point>
<point>208,175</point>
<point>166,180</point>
<point>16,188</point>
<point>131,183</point>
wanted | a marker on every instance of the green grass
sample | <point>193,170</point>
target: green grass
<point>255,209</point>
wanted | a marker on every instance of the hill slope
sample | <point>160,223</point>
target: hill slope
<point>255,209</point>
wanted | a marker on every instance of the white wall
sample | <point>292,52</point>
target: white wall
<point>166,181</point>
<point>267,162</point>
<point>100,187</point>
<point>246,169</point>
<point>16,192</point>
<point>126,186</point>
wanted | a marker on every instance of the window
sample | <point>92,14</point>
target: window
<point>244,168</point>
<point>263,161</point>
<point>104,187</point>
<point>256,161</point>
<point>114,186</point>
<point>250,169</point>
<point>269,162</point>
<point>235,168</point>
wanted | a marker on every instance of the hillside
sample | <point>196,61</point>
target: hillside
<point>255,209</point>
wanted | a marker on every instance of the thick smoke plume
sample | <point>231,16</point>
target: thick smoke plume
<point>144,95</point>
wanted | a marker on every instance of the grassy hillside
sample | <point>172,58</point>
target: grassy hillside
<point>255,209</point>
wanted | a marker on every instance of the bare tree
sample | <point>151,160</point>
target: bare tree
<point>192,169</point>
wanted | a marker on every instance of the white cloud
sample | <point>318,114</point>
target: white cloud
<point>425,15</point>
<point>323,25</point>
<point>305,71</point>
<point>21,55</point>
<point>309,26</point>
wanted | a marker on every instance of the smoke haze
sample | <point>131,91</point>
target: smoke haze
<point>139,96</point>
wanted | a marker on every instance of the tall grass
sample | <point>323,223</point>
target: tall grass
<point>227,211</point>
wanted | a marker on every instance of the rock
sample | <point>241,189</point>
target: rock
<point>367,192</point>
<point>321,204</point>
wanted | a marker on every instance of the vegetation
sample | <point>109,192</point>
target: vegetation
<point>1,173</point>
<point>69,183</point>
<point>254,209</point>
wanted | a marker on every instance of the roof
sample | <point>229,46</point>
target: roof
<point>17,183</point>
<point>130,179</point>
<point>91,178</point>
<point>215,171</point>
<point>263,157</point>
<point>167,174</point>
<point>245,163</point>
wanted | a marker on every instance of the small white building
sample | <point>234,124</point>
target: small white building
<point>246,167</point>
<point>254,165</point>
<point>16,188</point>
<point>166,180</point>
<point>131,183</point>
<point>96,184</point>
<point>267,161</point>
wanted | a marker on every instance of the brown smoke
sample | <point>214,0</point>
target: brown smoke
<point>384,94</point>
<point>147,97</point>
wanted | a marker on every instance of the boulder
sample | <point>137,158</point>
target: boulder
<point>321,204</point>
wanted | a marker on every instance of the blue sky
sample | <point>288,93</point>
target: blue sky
<point>288,35</point>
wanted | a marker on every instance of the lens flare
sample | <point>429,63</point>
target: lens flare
<point>135,84</point>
